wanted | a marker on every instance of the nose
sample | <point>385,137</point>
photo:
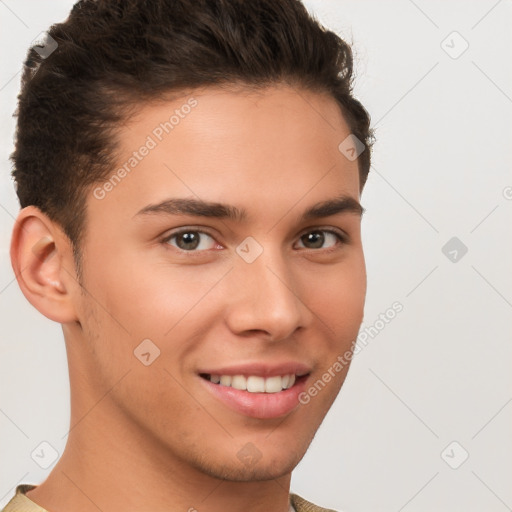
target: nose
<point>265,299</point>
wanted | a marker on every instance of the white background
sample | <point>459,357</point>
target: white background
<point>441,370</point>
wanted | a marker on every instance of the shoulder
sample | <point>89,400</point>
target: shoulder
<point>301,505</point>
<point>21,503</point>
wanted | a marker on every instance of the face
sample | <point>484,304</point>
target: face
<point>224,277</point>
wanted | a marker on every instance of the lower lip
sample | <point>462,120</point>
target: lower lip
<point>258,405</point>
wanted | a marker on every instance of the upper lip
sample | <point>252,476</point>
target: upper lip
<point>260,369</point>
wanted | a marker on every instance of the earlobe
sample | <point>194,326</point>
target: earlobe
<point>43,265</point>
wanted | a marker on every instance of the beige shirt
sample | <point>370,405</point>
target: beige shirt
<point>21,503</point>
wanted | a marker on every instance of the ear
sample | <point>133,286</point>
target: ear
<point>42,260</point>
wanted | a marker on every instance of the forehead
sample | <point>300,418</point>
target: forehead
<point>232,145</point>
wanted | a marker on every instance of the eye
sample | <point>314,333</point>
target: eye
<point>191,240</point>
<point>321,239</point>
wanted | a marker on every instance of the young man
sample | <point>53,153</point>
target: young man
<point>190,176</point>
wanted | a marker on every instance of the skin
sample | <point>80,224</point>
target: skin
<point>153,437</point>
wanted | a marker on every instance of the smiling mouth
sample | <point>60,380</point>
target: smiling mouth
<point>255,383</point>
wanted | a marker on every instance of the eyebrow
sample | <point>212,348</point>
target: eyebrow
<point>200,208</point>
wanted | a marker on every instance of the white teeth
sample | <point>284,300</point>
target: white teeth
<point>273,384</point>
<point>225,380</point>
<point>239,382</point>
<point>254,383</point>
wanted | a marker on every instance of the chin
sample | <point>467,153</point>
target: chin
<point>261,469</point>
<point>258,473</point>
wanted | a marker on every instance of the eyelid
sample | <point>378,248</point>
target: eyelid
<point>342,235</point>
<point>187,229</point>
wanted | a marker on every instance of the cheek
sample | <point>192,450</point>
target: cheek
<point>148,298</point>
<point>337,295</point>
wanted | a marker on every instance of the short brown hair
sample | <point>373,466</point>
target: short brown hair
<point>112,55</point>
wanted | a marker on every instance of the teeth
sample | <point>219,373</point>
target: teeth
<point>225,380</point>
<point>273,384</point>
<point>254,383</point>
<point>239,382</point>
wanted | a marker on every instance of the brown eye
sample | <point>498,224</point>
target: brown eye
<point>320,239</point>
<point>191,241</point>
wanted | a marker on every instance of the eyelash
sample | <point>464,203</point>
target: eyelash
<point>340,235</point>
